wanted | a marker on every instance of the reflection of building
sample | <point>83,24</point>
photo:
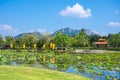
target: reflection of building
<point>101,43</point>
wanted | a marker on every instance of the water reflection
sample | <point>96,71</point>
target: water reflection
<point>97,74</point>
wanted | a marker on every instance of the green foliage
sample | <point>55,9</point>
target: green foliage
<point>106,60</point>
<point>93,38</point>
<point>1,42</point>
<point>82,39</point>
<point>29,40</point>
<point>18,43</point>
<point>114,40</point>
<point>40,43</point>
<point>83,62</point>
<point>47,39</point>
<point>9,39</point>
<point>36,34</point>
<point>62,40</point>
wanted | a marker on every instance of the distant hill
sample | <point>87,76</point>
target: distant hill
<point>89,32</point>
<point>68,31</point>
<point>71,32</point>
<point>37,34</point>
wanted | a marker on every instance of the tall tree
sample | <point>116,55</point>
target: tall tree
<point>40,43</point>
<point>29,40</point>
<point>18,42</point>
<point>47,39</point>
<point>1,42</point>
<point>9,39</point>
<point>82,39</point>
<point>62,40</point>
<point>93,38</point>
<point>114,40</point>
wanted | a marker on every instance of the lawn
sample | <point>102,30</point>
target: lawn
<point>29,73</point>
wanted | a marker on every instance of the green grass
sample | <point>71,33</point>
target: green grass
<point>28,73</point>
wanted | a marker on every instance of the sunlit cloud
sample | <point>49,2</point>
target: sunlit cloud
<point>40,30</point>
<point>76,10</point>
<point>8,30</point>
<point>114,24</point>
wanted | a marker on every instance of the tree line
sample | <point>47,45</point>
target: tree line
<point>60,40</point>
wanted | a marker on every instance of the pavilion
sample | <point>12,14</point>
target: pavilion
<point>101,43</point>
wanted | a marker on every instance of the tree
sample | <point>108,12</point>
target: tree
<point>1,42</point>
<point>62,40</point>
<point>47,39</point>
<point>40,43</point>
<point>82,39</point>
<point>109,36</point>
<point>93,38</point>
<point>18,42</point>
<point>114,40</point>
<point>9,39</point>
<point>29,40</point>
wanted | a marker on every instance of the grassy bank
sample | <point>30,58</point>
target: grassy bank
<point>28,73</point>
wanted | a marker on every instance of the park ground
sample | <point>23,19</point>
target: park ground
<point>28,73</point>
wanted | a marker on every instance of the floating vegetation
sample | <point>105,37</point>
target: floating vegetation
<point>105,65</point>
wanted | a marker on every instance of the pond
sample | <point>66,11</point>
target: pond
<point>95,66</point>
<point>97,73</point>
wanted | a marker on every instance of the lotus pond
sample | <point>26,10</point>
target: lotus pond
<point>104,66</point>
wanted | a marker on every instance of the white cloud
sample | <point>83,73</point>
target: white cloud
<point>114,24</point>
<point>42,31</point>
<point>6,30</point>
<point>95,32</point>
<point>76,10</point>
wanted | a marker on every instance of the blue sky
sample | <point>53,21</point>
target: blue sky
<point>46,16</point>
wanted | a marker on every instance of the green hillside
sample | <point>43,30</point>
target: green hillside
<point>36,34</point>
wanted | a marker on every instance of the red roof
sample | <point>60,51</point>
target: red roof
<point>101,40</point>
<point>102,43</point>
